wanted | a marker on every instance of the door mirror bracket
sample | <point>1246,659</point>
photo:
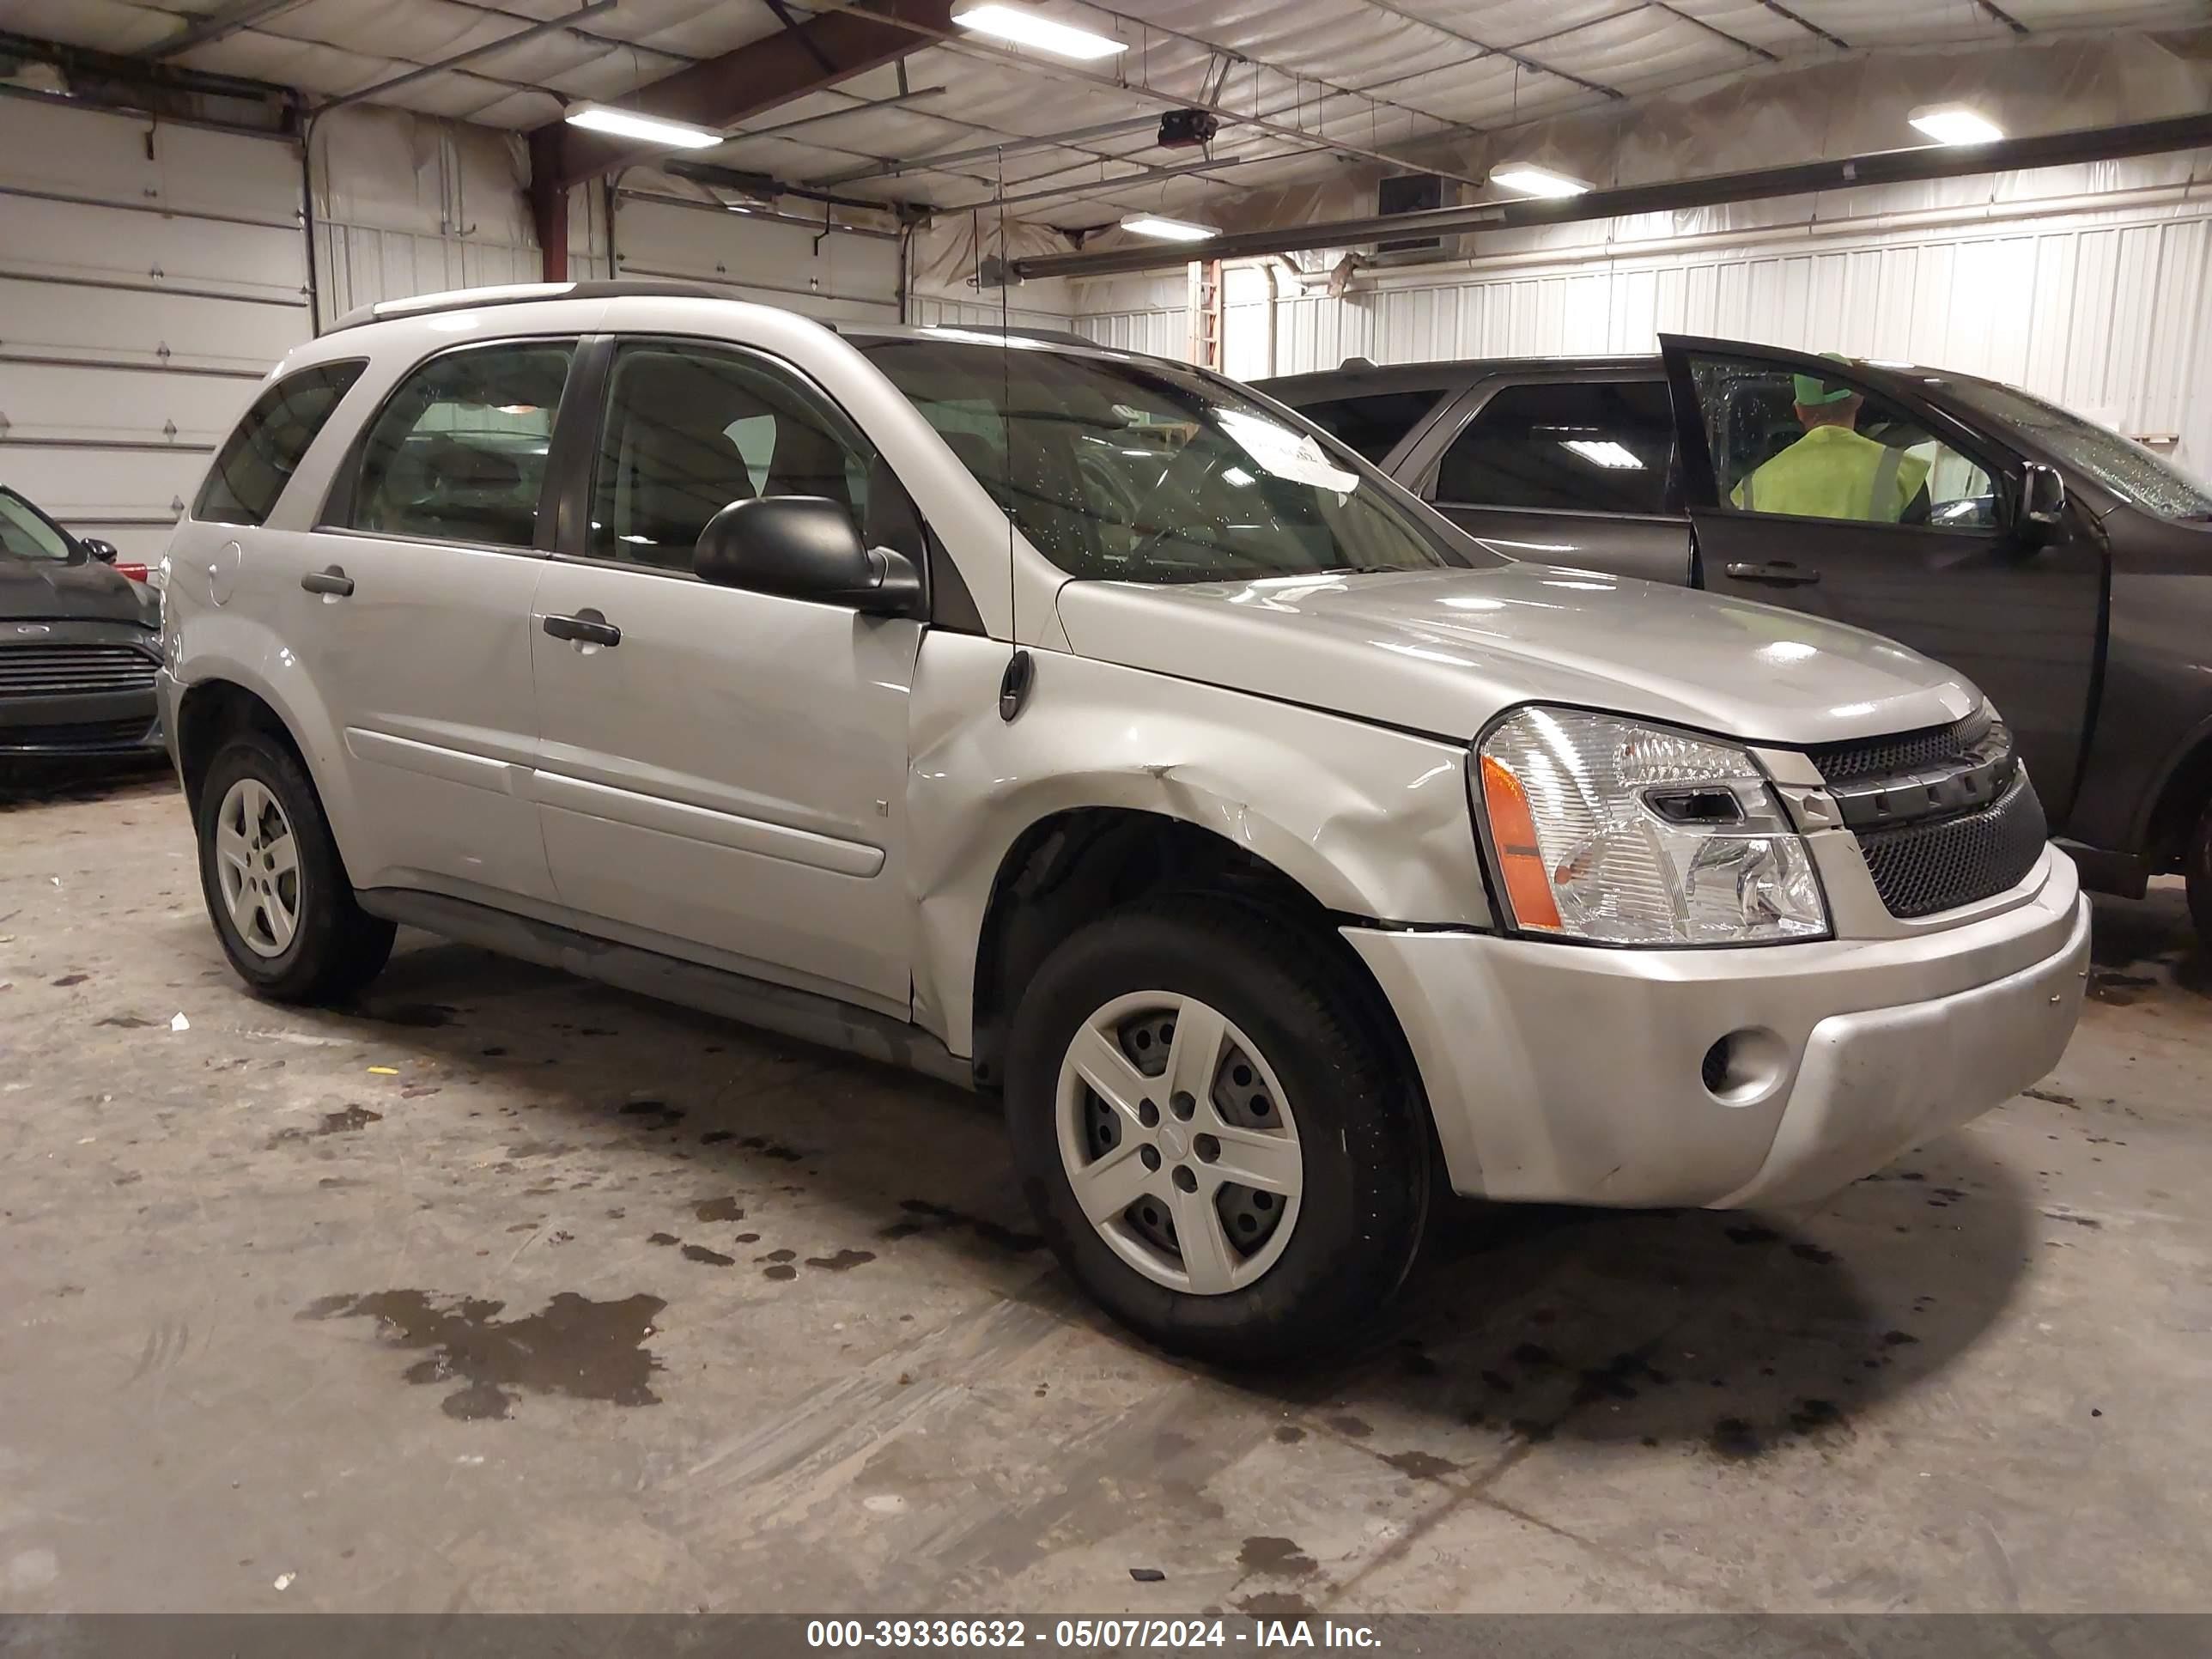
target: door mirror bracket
<point>2039,510</point>
<point>805,547</point>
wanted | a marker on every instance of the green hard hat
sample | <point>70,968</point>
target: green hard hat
<point>1813,391</point>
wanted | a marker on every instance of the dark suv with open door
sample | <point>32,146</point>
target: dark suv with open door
<point>2066,570</point>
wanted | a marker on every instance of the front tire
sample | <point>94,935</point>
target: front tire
<point>1213,1137</point>
<point>276,888</point>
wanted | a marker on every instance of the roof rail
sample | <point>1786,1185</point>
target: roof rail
<point>516,294</point>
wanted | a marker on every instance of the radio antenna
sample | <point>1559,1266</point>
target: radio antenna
<point>1014,688</point>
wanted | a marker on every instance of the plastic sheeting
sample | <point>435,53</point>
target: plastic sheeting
<point>407,203</point>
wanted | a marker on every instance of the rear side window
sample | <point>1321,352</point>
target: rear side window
<point>1372,424</point>
<point>459,454</point>
<point>257,459</point>
<point>1591,445</point>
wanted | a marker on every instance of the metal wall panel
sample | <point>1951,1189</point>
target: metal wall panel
<point>828,274</point>
<point>2102,307</point>
<point>150,274</point>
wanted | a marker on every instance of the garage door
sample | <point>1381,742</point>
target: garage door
<point>834,274</point>
<point>149,275</point>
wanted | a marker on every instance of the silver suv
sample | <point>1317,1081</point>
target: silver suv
<point>1090,730</point>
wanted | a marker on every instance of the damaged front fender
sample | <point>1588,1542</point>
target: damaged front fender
<point>1370,822</point>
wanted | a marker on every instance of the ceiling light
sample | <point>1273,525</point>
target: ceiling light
<point>1168,230</point>
<point>1603,452</point>
<point>646,129</point>
<point>1528,180</point>
<point>1956,124</point>
<point>1027,28</point>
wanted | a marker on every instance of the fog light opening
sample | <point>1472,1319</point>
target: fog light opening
<point>1743,1066</point>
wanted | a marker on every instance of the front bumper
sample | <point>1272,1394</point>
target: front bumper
<point>1576,1074</point>
<point>65,718</point>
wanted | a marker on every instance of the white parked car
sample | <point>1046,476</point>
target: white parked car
<point>1089,728</point>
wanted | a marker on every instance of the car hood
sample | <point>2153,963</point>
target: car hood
<point>82,590</point>
<point>1445,651</point>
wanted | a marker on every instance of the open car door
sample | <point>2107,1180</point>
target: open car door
<point>1835,488</point>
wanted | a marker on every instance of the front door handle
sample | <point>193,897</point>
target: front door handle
<point>331,582</point>
<point>583,630</point>
<point>1781,574</point>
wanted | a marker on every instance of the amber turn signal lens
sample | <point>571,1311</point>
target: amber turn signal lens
<point>1520,860</point>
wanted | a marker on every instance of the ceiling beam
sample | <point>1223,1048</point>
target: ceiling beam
<point>1763,184</point>
<point>717,93</point>
<point>224,21</point>
<point>1810,26</point>
<point>424,71</point>
<point>1512,54</point>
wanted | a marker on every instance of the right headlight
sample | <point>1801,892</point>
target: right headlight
<point>1612,831</point>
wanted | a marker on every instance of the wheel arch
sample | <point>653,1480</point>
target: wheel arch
<point>222,701</point>
<point>2183,793</point>
<point>1073,864</point>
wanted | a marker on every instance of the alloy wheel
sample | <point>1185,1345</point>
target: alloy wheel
<point>257,862</point>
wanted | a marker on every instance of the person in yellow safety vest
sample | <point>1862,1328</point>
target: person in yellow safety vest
<point>1832,472</point>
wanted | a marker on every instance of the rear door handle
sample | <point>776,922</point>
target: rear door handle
<point>1782,573</point>
<point>332,581</point>
<point>583,630</point>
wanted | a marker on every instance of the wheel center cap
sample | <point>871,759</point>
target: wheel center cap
<point>1173,1141</point>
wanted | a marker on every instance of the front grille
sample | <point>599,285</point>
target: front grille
<point>86,735</point>
<point>1902,752</point>
<point>63,671</point>
<point>1940,863</point>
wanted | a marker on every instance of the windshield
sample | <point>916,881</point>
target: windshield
<point>1146,471</point>
<point>2136,475</point>
<point>25,534</point>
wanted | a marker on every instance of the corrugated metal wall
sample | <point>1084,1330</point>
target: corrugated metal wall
<point>829,273</point>
<point>2090,286</point>
<point>149,275</point>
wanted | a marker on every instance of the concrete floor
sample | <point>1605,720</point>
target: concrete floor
<point>506,1291</point>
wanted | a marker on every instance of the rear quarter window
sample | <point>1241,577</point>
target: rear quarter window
<point>1374,423</point>
<point>1582,446</point>
<point>259,457</point>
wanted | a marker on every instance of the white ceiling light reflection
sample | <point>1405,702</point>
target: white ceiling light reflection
<point>1781,650</point>
<point>1603,452</point>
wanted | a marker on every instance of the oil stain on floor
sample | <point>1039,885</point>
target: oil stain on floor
<point>573,1346</point>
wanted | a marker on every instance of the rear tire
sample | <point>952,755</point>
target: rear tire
<point>1290,1087</point>
<point>2200,878</point>
<point>276,887</point>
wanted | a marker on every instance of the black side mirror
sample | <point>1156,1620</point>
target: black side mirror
<point>104,551</point>
<point>805,547</point>
<point>2042,504</point>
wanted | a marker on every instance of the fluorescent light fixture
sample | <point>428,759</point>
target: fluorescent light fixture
<point>646,129</point>
<point>1025,27</point>
<point>1956,124</point>
<point>1168,230</point>
<point>1526,179</point>
<point>1603,452</point>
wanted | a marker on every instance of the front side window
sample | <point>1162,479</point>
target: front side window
<point>1145,471</point>
<point>1572,446</point>
<point>24,532</point>
<point>1810,446</point>
<point>459,454</point>
<point>2135,474</point>
<point>259,457</point>
<point>1373,423</point>
<point>688,430</point>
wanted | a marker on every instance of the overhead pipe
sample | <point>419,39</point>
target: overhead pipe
<point>1877,167</point>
